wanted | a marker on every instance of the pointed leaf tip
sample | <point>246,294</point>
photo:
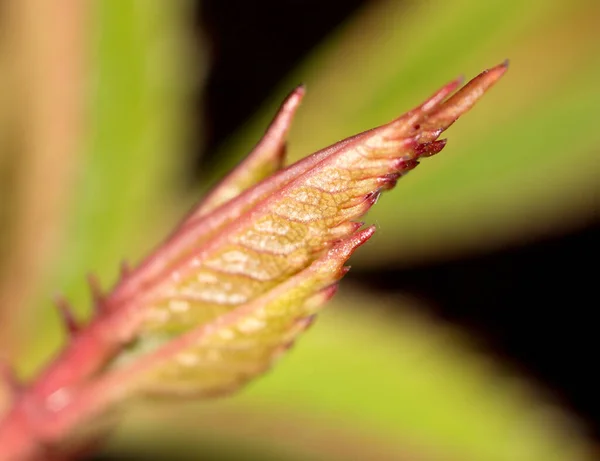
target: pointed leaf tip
<point>345,248</point>
<point>266,158</point>
<point>465,98</point>
<point>439,96</point>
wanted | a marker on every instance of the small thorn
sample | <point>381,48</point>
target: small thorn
<point>389,180</point>
<point>282,349</point>
<point>355,225</point>
<point>329,292</point>
<point>125,269</point>
<point>372,198</point>
<point>317,300</point>
<point>430,148</point>
<point>409,165</point>
<point>306,322</point>
<point>96,290</point>
<point>9,379</point>
<point>66,313</point>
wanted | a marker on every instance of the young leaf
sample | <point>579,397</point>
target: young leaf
<point>239,279</point>
<point>218,261</point>
<point>223,260</point>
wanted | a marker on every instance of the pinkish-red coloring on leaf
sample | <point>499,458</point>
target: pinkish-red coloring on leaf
<point>238,280</point>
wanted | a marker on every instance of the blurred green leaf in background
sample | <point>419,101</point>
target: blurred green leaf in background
<point>366,383</point>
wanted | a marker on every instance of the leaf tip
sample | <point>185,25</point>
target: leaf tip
<point>67,317</point>
<point>497,71</point>
<point>445,114</point>
<point>290,104</point>
<point>345,248</point>
<point>299,91</point>
<point>439,96</point>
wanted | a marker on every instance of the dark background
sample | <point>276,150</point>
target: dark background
<point>531,305</point>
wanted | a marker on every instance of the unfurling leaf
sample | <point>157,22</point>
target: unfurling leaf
<point>245,272</point>
<point>235,277</point>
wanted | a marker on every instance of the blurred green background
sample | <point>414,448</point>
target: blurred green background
<point>466,329</point>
